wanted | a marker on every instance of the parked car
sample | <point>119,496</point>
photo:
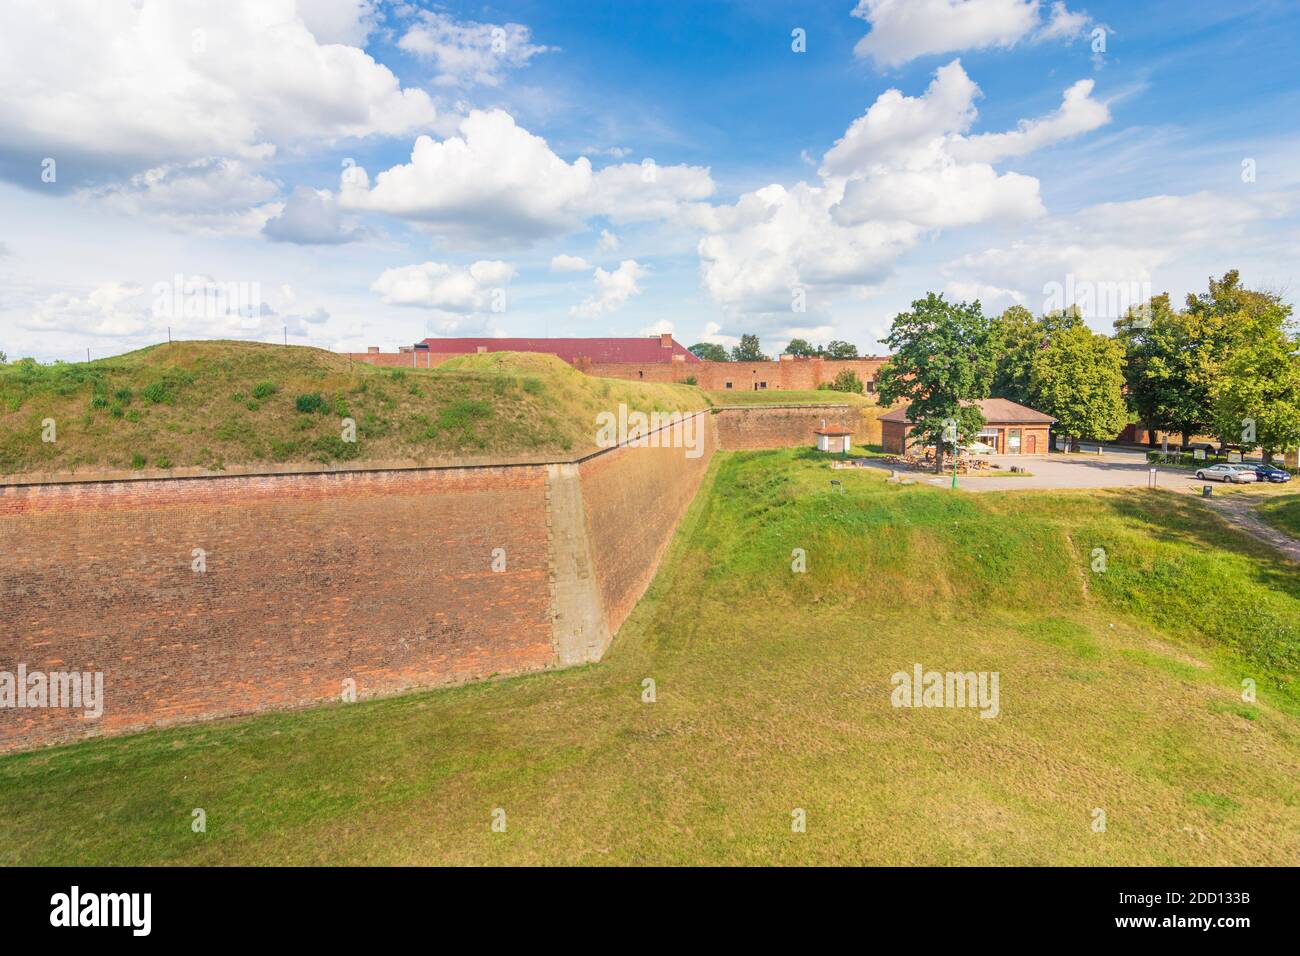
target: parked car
<point>1238,474</point>
<point>1270,473</point>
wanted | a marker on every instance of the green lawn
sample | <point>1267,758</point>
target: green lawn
<point>1282,512</point>
<point>223,404</point>
<point>1119,691</point>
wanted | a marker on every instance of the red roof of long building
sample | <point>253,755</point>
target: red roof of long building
<point>645,349</point>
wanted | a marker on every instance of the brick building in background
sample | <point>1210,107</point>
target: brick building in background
<point>656,358</point>
<point>1009,429</point>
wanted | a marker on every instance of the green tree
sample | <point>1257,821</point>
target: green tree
<point>3,358</point>
<point>748,350</point>
<point>801,348</point>
<point>709,352</point>
<point>1223,323</point>
<point>1018,338</point>
<point>846,380</point>
<point>943,359</point>
<point>838,349</point>
<point>1257,394</point>
<point>1176,360</point>
<point>1157,365</point>
<point>1078,379</point>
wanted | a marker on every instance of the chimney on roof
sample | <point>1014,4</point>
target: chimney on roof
<point>666,340</point>
<point>372,349</point>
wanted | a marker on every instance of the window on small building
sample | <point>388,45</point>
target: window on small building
<point>728,385</point>
<point>762,384</point>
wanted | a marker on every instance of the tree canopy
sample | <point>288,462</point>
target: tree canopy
<point>748,350</point>
<point>709,352</point>
<point>943,355</point>
<point>1198,369</point>
<point>1077,377</point>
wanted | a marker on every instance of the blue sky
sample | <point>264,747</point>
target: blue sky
<point>367,173</point>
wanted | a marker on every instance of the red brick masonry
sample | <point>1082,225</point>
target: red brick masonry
<point>383,577</point>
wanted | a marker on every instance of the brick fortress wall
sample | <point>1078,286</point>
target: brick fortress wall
<point>381,577</point>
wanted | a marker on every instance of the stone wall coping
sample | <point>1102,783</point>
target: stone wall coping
<point>732,408</point>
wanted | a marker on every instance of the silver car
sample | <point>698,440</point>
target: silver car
<point>1239,474</point>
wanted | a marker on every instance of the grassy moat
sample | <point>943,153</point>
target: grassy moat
<point>1120,691</point>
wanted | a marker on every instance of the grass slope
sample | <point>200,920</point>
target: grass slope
<point>1283,513</point>
<point>219,404</point>
<point>1119,690</point>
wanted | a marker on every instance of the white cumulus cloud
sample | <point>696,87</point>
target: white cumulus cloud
<point>468,52</point>
<point>906,168</point>
<point>125,86</point>
<point>203,197</point>
<point>446,288</point>
<point>902,30</point>
<point>497,181</point>
<point>310,217</point>
<point>612,290</point>
<point>1079,113</point>
<point>568,263</point>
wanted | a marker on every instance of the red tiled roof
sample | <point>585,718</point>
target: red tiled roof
<point>996,411</point>
<point>644,350</point>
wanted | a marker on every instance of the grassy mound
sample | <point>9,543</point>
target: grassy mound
<point>1120,691</point>
<point>220,404</point>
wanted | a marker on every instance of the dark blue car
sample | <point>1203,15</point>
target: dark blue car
<point>1269,473</point>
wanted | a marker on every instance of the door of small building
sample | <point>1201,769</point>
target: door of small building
<point>1031,444</point>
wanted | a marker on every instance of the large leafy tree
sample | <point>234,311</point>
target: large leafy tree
<point>1019,338</point>
<point>709,352</point>
<point>838,349</point>
<point>1157,365</point>
<point>1078,379</point>
<point>748,350</point>
<point>1219,324</point>
<point>943,356</point>
<point>1258,388</point>
<point>801,348</point>
<point>1176,360</point>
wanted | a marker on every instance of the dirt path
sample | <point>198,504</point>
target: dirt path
<point>1239,511</point>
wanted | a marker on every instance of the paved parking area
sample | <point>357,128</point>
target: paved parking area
<point>1114,469</point>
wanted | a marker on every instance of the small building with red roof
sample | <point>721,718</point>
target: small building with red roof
<point>1009,428</point>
